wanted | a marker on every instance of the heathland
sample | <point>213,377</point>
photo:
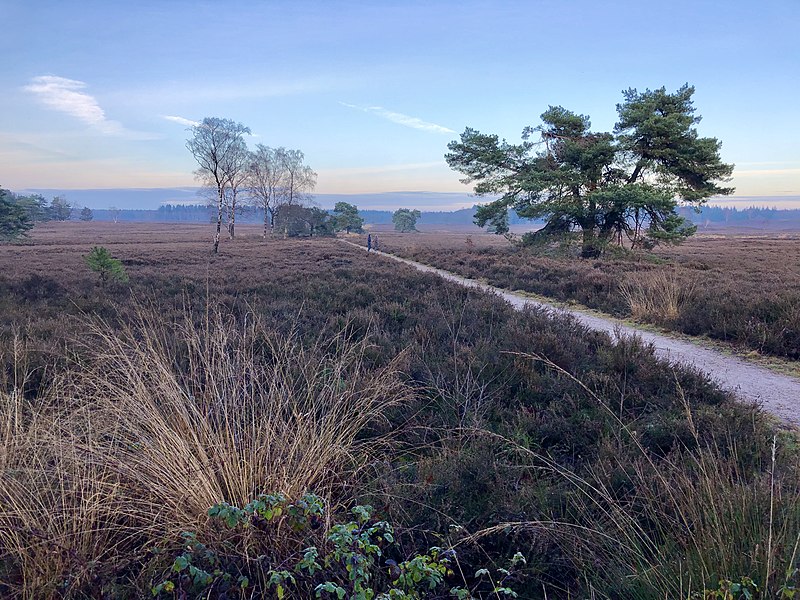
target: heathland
<point>738,288</point>
<point>301,367</point>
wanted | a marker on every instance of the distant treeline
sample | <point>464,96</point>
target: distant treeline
<point>734,216</point>
<point>202,214</point>
<point>193,213</point>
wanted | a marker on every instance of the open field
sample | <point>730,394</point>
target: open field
<point>308,366</point>
<point>740,289</point>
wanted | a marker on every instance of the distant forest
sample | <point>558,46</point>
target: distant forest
<point>769,218</point>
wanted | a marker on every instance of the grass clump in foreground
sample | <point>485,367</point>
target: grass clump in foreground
<point>154,425</point>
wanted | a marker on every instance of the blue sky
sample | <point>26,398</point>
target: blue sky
<point>98,94</point>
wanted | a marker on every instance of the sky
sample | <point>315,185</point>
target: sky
<point>100,94</point>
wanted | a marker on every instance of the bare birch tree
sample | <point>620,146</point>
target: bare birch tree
<point>299,179</point>
<point>237,177</point>
<point>264,182</point>
<point>219,148</point>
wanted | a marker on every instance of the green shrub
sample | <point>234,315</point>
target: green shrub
<point>107,267</point>
<point>351,560</point>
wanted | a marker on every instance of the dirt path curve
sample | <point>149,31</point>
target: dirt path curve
<point>778,394</point>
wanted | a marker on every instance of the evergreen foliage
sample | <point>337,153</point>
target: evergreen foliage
<point>14,220</point>
<point>107,267</point>
<point>405,219</point>
<point>611,186</point>
<point>60,209</point>
<point>36,208</point>
<point>346,218</point>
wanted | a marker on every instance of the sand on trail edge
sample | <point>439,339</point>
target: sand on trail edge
<point>778,394</point>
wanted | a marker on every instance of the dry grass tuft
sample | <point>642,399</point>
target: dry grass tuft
<point>160,421</point>
<point>656,295</point>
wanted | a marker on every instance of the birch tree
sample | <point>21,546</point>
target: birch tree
<point>219,148</point>
<point>299,179</point>
<point>237,177</point>
<point>265,176</point>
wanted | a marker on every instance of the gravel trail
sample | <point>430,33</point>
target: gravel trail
<point>778,394</point>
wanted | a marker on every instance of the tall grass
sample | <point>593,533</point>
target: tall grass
<point>655,295</point>
<point>156,422</point>
<point>651,528</point>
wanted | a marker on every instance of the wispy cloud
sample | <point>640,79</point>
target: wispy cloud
<point>400,118</point>
<point>192,92</point>
<point>189,123</point>
<point>67,96</point>
<point>181,120</point>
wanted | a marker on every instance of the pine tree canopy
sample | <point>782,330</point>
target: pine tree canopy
<point>612,186</point>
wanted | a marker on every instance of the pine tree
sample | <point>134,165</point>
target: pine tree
<point>608,185</point>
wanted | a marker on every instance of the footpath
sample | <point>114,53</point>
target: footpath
<point>778,394</point>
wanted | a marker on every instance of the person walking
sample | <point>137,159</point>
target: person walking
<point>369,242</point>
<point>375,243</point>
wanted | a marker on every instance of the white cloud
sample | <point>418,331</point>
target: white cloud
<point>400,118</point>
<point>190,123</point>
<point>192,91</point>
<point>66,96</point>
<point>181,120</point>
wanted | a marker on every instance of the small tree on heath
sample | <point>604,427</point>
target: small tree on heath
<point>106,266</point>
<point>405,219</point>
<point>346,218</point>
<point>14,221</point>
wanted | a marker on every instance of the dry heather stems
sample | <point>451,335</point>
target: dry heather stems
<point>697,516</point>
<point>157,424</point>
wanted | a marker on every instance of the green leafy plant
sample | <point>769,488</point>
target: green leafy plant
<point>350,561</point>
<point>744,589</point>
<point>197,570</point>
<point>107,267</point>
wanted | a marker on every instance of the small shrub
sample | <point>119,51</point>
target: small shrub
<point>107,267</point>
<point>351,560</point>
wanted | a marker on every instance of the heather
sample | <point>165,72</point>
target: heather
<point>137,413</point>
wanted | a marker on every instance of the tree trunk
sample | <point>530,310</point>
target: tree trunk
<point>266,222</point>
<point>272,223</point>
<point>232,224</point>
<point>219,222</point>
<point>591,245</point>
<point>636,171</point>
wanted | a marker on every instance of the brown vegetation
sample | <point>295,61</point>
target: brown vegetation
<point>735,288</point>
<point>312,366</point>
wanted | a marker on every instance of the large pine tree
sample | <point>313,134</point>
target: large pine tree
<point>608,185</point>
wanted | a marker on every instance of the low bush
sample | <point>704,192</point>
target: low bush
<point>349,559</point>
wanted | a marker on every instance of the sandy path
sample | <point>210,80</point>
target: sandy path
<point>778,394</point>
